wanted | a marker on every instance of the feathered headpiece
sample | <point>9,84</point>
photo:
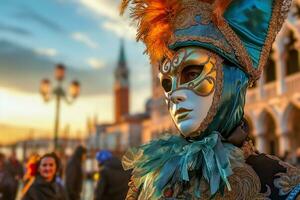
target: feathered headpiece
<point>242,31</point>
<point>155,27</point>
<point>155,20</point>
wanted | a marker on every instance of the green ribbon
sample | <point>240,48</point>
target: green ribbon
<point>173,158</point>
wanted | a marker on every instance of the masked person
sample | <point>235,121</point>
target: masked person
<point>75,173</point>
<point>209,52</point>
<point>7,181</point>
<point>15,168</point>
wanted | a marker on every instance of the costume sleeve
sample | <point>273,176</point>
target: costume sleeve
<point>281,178</point>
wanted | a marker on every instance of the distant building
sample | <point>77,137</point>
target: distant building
<point>121,88</point>
<point>273,105</point>
<point>126,130</point>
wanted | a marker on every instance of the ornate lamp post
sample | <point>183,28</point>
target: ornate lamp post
<point>59,94</point>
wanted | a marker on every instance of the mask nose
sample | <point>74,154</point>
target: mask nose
<point>177,97</point>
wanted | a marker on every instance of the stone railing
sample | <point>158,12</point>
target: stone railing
<point>292,85</point>
<point>270,90</point>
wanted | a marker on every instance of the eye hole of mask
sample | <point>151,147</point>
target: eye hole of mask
<point>167,84</point>
<point>190,72</point>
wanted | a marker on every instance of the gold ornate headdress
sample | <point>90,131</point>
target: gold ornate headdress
<point>242,31</point>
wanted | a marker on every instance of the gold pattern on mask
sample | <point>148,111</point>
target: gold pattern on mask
<point>172,71</point>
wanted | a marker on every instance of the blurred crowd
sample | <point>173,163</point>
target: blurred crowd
<point>52,176</point>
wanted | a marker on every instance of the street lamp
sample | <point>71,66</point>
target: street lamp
<point>59,93</point>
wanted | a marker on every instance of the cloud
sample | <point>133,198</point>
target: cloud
<point>48,52</point>
<point>113,22</point>
<point>95,63</point>
<point>84,39</point>
<point>14,30</point>
<point>120,28</point>
<point>15,61</point>
<point>29,14</point>
<point>106,8</point>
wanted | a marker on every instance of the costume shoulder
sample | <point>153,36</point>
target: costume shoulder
<point>278,178</point>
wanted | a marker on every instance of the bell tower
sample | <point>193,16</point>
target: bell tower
<point>121,86</point>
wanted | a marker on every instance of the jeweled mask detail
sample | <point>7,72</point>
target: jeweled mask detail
<point>189,80</point>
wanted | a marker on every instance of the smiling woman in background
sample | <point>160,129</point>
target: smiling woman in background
<point>44,186</point>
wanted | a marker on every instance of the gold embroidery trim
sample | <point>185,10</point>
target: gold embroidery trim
<point>248,149</point>
<point>245,186</point>
<point>239,49</point>
<point>186,19</point>
<point>280,11</point>
<point>193,8</point>
<point>212,41</point>
<point>133,192</point>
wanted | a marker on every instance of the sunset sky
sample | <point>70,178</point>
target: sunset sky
<point>85,35</point>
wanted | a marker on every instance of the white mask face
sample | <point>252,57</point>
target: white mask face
<point>189,80</point>
<point>188,110</point>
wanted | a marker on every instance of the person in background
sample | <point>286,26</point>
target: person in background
<point>44,186</point>
<point>15,168</point>
<point>74,173</point>
<point>113,180</point>
<point>31,168</point>
<point>6,181</point>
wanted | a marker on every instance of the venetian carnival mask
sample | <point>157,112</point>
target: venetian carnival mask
<point>189,80</point>
<point>203,93</point>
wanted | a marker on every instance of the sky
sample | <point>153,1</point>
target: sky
<point>84,35</point>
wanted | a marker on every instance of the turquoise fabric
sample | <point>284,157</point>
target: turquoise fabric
<point>250,21</point>
<point>230,110</point>
<point>174,158</point>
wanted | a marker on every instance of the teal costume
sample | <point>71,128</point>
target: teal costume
<point>210,51</point>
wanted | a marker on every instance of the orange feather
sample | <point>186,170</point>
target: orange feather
<point>154,20</point>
